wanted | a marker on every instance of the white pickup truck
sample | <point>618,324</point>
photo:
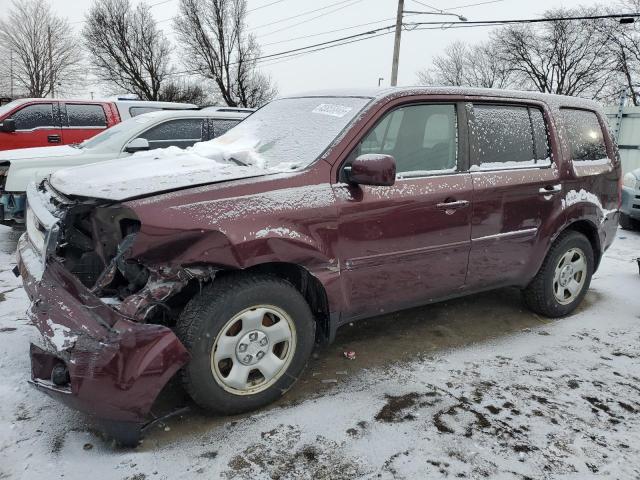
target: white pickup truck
<point>160,129</point>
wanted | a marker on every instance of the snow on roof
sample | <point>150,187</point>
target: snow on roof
<point>381,93</point>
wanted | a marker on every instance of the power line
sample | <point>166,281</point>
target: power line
<point>326,32</point>
<point>381,31</point>
<point>264,6</point>
<point>353,2</point>
<point>534,20</point>
<point>150,6</point>
<point>342,2</point>
<point>159,3</point>
<point>427,5</point>
<point>365,24</point>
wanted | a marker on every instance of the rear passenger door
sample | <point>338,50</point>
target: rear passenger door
<point>516,192</point>
<point>81,121</point>
<point>181,133</point>
<point>37,125</point>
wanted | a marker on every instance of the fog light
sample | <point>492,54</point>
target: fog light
<point>60,375</point>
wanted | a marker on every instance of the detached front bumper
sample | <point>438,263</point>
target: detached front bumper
<point>116,367</point>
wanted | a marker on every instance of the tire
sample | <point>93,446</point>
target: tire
<point>627,223</point>
<point>542,294</point>
<point>208,320</point>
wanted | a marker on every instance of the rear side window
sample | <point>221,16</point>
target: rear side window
<point>220,127</point>
<point>86,116</point>
<point>584,135</point>
<point>34,116</point>
<point>178,133</point>
<point>509,136</point>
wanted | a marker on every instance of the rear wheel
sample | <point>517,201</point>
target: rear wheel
<point>250,337</point>
<point>628,223</point>
<point>564,278</point>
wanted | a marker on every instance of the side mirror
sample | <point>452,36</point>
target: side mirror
<point>137,145</point>
<point>377,170</point>
<point>9,125</point>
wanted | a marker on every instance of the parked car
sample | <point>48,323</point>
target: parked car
<point>41,122</point>
<point>630,208</point>
<point>160,129</point>
<point>228,262</point>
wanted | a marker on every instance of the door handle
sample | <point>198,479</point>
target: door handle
<point>550,190</point>
<point>453,205</point>
<point>53,138</point>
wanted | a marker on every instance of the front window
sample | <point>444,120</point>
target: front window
<point>421,138</point>
<point>286,134</point>
<point>121,130</point>
<point>39,115</point>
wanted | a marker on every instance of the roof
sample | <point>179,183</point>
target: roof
<point>164,114</point>
<point>143,103</point>
<point>382,93</point>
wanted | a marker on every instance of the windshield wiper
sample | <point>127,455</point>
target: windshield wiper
<point>238,162</point>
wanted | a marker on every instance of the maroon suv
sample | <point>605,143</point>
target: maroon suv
<point>228,262</point>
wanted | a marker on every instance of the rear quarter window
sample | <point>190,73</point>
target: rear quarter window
<point>584,135</point>
<point>135,111</point>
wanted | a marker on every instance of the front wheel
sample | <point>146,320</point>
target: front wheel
<point>250,337</point>
<point>564,278</point>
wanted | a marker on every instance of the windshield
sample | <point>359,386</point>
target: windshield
<point>122,130</point>
<point>286,134</point>
<point>4,109</point>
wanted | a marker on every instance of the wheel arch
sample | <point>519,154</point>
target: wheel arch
<point>589,230</point>
<point>306,283</point>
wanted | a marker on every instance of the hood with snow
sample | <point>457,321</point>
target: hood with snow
<point>162,170</point>
<point>39,153</point>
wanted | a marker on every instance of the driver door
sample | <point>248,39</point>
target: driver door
<point>408,244</point>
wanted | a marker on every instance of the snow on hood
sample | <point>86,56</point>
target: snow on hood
<point>39,152</point>
<point>161,170</point>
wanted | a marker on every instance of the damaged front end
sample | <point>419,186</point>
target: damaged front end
<point>106,346</point>
<point>95,242</point>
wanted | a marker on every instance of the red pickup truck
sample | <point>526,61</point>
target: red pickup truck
<point>42,122</point>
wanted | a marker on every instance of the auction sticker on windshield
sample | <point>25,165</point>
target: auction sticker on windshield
<point>332,110</point>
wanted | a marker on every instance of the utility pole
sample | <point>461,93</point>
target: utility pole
<point>396,47</point>
<point>399,19</point>
<point>51,79</point>
<point>11,74</point>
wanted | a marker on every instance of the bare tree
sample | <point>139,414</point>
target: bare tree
<point>184,92</point>
<point>45,53</point>
<point>216,45</point>
<point>623,46</point>
<point>461,65</point>
<point>563,57</point>
<point>128,51</point>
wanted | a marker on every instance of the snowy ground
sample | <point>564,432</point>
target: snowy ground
<point>474,388</point>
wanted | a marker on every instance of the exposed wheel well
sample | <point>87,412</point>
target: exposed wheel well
<point>591,232</point>
<point>308,285</point>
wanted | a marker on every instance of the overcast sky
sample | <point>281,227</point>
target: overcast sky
<point>359,64</point>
